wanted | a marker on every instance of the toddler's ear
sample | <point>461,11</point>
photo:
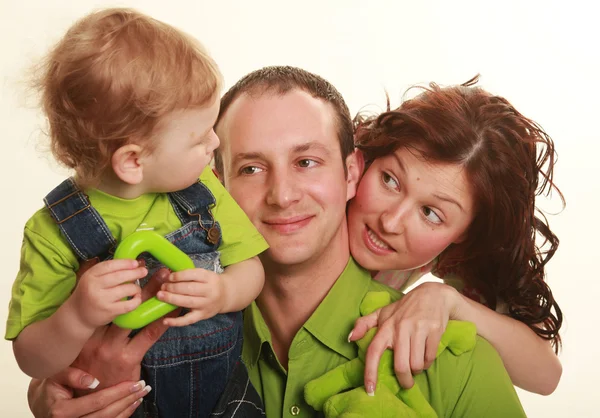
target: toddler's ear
<point>126,164</point>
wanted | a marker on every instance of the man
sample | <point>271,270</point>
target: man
<point>287,158</point>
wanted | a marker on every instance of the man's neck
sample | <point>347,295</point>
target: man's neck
<point>292,293</point>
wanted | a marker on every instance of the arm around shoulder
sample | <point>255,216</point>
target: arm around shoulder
<point>485,386</point>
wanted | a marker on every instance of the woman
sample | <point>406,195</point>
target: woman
<point>451,181</point>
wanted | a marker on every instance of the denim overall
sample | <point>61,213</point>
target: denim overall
<point>189,367</point>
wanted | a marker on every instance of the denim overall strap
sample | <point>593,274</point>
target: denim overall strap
<point>80,223</point>
<point>193,204</point>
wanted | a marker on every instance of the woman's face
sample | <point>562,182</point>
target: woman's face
<point>407,211</point>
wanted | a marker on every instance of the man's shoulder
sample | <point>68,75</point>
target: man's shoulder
<point>473,383</point>
<point>375,286</point>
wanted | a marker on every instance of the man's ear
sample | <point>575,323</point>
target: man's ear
<point>355,165</point>
<point>127,165</point>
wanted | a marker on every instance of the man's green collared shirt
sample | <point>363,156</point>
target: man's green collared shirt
<point>474,384</point>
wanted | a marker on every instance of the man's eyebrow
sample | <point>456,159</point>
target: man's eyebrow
<point>309,146</point>
<point>449,200</point>
<point>243,156</point>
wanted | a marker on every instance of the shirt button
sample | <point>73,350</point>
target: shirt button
<point>295,410</point>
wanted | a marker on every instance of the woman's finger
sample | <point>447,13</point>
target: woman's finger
<point>402,358</point>
<point>378,345</point>
<point>155,282</point>
<point>75,378</point>
<point>96,401</point>
<point>363,324</point>
<point>417,350</point>
<point>122,407</point>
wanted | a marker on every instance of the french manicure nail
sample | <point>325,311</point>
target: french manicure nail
<point>370,387</point>
<point>138,386</point>
<point>350,335</point>
<point>90,381</point>
<point>148,389</point>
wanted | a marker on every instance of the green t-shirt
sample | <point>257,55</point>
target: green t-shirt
<point>474,384</point>
<point>46,276</point>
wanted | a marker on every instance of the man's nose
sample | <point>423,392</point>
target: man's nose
<point>283,189</point>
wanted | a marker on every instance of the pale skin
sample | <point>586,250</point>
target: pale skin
<point>183,143</point>
<point>416,211</point>
<point>109,355</point>
<point>282,165</point>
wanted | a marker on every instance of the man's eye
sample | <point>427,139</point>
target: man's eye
<point>250,170</point>
<point>307,163</point>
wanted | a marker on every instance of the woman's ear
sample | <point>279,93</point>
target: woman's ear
<point>127,165</point>
<point>355,165</point>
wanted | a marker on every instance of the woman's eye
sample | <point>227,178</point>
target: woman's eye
<point>250,170</point>
<point>431,215</point>
<point>389,181</point>
<point>306,163</point>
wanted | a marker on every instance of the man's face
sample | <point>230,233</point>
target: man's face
<point>282,164</point>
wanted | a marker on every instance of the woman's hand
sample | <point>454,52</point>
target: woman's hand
<point>112,358</point>
<point>54,397</point>
<point>412,327</point>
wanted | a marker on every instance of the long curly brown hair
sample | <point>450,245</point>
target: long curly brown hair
<point>509,160</point>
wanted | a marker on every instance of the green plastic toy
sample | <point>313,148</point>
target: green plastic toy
<point>340,392</point>
<point>167,254</point>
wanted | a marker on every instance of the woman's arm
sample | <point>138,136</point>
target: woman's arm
<point>413,326</point>
<point>529,360</point>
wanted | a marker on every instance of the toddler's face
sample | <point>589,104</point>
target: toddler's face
<point>407,211</point>
<point>185,142</point>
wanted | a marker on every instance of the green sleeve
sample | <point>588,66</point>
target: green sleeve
<point>45,279</point>
<point>240,239</point>
<point>486,388</point>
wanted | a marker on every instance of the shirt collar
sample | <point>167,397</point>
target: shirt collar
<point>334,318</point>
<point>331,322</point>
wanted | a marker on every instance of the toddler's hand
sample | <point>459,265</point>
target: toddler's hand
<point>202,291</point>
<point>100,292</point>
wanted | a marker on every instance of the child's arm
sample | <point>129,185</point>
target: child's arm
<point>207,293</point>
<point>413,327</point>
<point>48,346</point>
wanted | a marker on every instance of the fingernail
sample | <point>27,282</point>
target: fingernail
<point>90,381</point>
<point>370,387</point>
<point>350,335</point>
<point>138,386</point>
<point>148,389</point>
<point>137,403</point>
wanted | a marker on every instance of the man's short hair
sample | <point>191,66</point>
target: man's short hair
<point>281,80</point>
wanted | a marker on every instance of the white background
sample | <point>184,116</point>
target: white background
<point>542,55</point>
